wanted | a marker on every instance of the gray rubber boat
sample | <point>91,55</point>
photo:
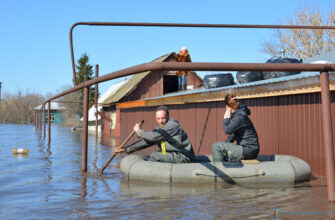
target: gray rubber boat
<point>272,170</point>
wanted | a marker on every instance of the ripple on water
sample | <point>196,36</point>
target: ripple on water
<point>48,183</point>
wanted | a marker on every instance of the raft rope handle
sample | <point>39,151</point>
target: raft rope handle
<point>202,174</point>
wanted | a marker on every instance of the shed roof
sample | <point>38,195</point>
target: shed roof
<point>297,84</point>
<point>329,57</point>
<point>242,85</point>
<point>110,92</point>
<point>305,82</point>
<point>53,106</point>
<point>132,83</point>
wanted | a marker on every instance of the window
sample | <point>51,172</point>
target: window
<point>52,117</point>
<point>170,84</point>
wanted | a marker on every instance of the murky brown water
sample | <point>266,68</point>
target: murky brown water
<point>48,184</point>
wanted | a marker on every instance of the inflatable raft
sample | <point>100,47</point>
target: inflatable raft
<point>271,170</point>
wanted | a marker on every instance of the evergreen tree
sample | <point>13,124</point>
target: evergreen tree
<point>85,73</point>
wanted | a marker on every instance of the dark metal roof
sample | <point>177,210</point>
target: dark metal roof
<point>242,85</point>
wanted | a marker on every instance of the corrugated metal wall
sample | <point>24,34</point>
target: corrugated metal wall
<point>285,124</point>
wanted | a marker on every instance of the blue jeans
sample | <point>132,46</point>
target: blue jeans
<point>181,78</point>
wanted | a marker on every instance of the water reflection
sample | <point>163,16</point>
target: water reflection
<point>20,156</point>
<point>150,188</point>
<point>83,186</point>
<point>48,182</point>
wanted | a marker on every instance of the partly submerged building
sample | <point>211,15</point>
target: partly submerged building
<point>56,112</point>
<point>286,112</point>
<point>110,118</point>
<point>141,86</point>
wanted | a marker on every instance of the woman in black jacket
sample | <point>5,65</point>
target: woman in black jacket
<point>238,126</point>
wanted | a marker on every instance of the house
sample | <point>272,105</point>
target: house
<point>92,111</point>
<point>56,112</point>
<point>140,86</point>
<point>286,112</point>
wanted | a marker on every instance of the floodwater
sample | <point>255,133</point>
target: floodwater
<point>48,184</point>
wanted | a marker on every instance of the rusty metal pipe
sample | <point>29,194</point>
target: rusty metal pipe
<point>200,66</point>
<point>44,125</point>
<point>68,102</point>
<point>327,135</point>
<point>241,66</point>
<point>35,119</point>
<point>183,66</point>
<point>96,101</point>
<point>187,25</point>
<point>85,131</point>
<point>49,124</point>
<point>40,120</point>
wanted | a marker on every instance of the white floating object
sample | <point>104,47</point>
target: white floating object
<point>20,151</point>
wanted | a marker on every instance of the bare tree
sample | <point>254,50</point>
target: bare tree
<point>73,107</point>
<point>302,43</point>
<point>19,108</point>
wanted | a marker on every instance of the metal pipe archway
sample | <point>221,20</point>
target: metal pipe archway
<point>182,25</point>
<point>322,68</point>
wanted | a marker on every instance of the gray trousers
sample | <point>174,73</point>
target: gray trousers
<point>227,152</point>
<point>170,157</point>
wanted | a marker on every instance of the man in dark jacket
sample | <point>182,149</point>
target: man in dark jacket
<point>238,126</point>
<point>174,144</point>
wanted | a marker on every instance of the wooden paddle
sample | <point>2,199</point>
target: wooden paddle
<point>120,147</point>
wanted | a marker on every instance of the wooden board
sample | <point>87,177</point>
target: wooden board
<point>250,161</point>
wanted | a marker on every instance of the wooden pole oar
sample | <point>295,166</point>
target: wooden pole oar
<point>120,147</point>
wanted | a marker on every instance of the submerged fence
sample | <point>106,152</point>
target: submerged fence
<point>322,68</point>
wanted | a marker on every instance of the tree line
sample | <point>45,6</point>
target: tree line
<point>18,107</point>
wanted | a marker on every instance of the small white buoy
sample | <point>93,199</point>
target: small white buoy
<point>20,151</point>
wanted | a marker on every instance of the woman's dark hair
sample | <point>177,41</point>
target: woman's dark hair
<point>231,101</point>
<point>163,108</point>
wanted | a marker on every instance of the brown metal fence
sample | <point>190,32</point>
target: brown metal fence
<point>290,125</point>
<point>323,68</point>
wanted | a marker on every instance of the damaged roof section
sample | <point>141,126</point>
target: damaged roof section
<point>305,82</point>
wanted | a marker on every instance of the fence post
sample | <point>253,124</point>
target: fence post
<point>44,122</point>
<point>96,90</point>
<point>35,119</point>
<point>328,135</point>
<point>85,131</point>
<point>40,120</point>
<point>49,123</point>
